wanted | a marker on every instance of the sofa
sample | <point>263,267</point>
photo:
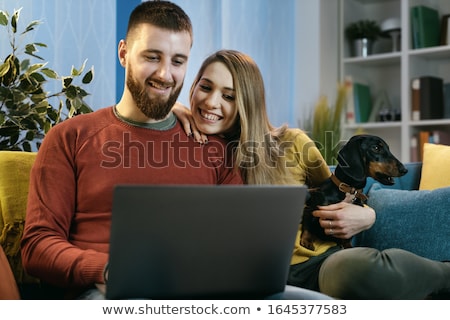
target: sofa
<point>416,220</point>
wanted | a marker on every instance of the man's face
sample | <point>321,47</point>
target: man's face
<point>156,63</point>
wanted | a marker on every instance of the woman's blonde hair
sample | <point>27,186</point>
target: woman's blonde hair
<point>257,152</point>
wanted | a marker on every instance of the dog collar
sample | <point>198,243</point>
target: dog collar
<point>343,187</point>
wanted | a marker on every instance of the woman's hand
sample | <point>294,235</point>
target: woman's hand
<point>188,123</point>
<point>343,220</point>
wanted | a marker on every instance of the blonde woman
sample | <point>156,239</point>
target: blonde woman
<point>227,98</point>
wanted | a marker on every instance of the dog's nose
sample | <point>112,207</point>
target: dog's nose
<point>402,170</point>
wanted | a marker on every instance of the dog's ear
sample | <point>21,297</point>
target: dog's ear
<point>351,159</point>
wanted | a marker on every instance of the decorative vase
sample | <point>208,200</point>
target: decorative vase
<point>361,47</point>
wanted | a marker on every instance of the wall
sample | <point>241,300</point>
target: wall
<point>293,41</point>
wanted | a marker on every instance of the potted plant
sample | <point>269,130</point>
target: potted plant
<point>324,125</point>
<point>27,110</point>
<point>361,36</point>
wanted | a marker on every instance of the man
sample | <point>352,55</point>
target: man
<point>66,237</point>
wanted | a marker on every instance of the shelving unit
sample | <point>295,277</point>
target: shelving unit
<point>392,71</point>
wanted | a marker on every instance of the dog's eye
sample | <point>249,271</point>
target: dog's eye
<point>376,148</point>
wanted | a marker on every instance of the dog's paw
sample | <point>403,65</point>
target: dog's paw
<point>308,245</point>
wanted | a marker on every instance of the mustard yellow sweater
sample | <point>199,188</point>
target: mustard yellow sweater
<point>308,167</point>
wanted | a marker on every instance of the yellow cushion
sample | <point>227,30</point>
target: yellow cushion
<point>15,169</point>
<point>435,167</point>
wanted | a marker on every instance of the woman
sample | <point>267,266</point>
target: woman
<point>227,98</point>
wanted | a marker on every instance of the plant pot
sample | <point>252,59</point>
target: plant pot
<point>361,47</point>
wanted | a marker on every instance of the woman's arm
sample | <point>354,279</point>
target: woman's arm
<point>187,121</point>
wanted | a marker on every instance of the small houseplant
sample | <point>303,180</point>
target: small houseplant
<point>361,36</point>
<point>27,110</point>
<point>324,125</point>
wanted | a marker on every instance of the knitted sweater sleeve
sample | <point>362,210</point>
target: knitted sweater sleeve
<point>47,251</point>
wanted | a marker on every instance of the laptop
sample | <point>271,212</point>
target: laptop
<point>202,241</point>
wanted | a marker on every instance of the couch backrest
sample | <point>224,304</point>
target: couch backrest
<point>15,169</point>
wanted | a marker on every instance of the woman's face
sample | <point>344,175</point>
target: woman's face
<point>213,100</point>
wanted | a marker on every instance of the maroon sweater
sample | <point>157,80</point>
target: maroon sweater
<point>66,236</point>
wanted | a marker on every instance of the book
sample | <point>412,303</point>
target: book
<point>414,149</point>
<point>350,107</point>
<point>447,100</point>
<point>430,95</point>
<point>445,30</point>
<point>415,99</point>
<point>424,137</point>
<point>362,101</point>
<point>425,27</point>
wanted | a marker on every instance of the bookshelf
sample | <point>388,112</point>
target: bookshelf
<point>390,69</point>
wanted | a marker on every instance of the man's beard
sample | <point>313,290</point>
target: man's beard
<point>153,108</point>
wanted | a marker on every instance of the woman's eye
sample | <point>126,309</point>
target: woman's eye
<point>228,97</point>
<point>204,87</point>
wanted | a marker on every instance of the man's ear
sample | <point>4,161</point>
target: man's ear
<point>122,52</point>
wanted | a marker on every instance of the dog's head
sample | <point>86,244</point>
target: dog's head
<point>367,156</point>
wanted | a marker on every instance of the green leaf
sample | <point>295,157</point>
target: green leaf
<point>3,18</point>
<point>47,126</point>
<point>26,146</point>
<point>30,48</point>
<point>31,26</point>
<point>4,68</point>
<point>67,81</point>
<point>29,135</point>
<point>50,73</point>
<point>40,44</point>
<point>24,64</point>
<point>71,92</point>
<point>35,67</point>
<point>75,72</point>
<point>38,77</point>
<point>88,76</point>
<point>14,19</point>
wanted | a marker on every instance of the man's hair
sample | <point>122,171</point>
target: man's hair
<point>162,14</point>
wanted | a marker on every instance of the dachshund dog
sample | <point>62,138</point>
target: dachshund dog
<point>361,157</point>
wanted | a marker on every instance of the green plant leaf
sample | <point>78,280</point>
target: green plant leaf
<point>26,146</point>
<point>34,68</point>
<point>4,18</point>
<point>26,114</point>
<point>30,135</point>
<point>4,68</point>
<point>71,92</point>
<point>49,73</point>
<point>88,76</point>
<point>31,26</point>
<point>14,19</point>
<point>67,81</point>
